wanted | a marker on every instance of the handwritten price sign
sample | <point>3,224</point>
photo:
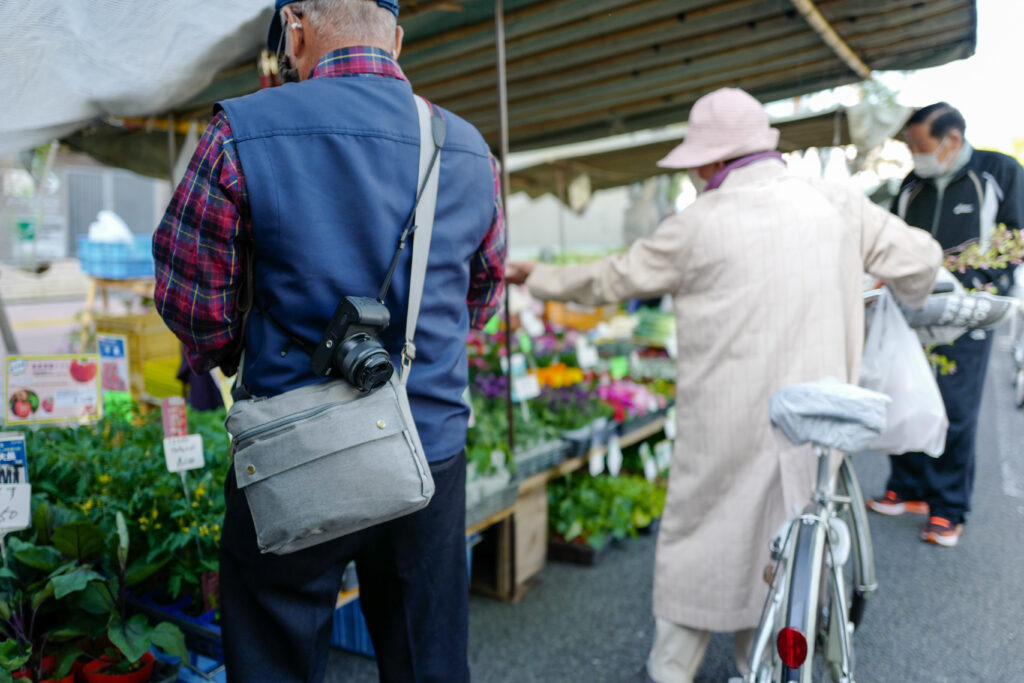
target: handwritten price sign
<point>184,453</point>
<point>15,507</point>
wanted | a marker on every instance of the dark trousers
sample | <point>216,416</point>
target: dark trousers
<point>277,609</point>
<point>945,482</point>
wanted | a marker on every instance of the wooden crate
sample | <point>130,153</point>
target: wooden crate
<point>513,551</point>
<point>148,339</point>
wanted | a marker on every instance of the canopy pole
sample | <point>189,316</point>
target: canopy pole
<point>499,44</point>
<point>828,34</point>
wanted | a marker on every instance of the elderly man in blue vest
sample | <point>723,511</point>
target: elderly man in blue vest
<point>303,190</point>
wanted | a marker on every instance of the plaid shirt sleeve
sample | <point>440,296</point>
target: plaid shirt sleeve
<point>487,270</point>
<point>197,248</point>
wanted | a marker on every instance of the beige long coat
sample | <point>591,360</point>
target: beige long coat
<point>766,275</point>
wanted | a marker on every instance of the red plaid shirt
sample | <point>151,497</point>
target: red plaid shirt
<point>198,273</point>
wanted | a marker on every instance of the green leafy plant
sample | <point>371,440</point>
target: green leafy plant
<point>174,530</point>
<point>590,510</point>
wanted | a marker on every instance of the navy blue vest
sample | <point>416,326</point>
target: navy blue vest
<point>331,168</point>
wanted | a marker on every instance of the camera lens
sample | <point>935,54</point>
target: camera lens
<point>364,362</point>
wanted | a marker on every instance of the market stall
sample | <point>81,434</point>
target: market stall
<point>571,405</point>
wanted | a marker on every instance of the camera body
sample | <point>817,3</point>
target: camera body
<point>350,347</point>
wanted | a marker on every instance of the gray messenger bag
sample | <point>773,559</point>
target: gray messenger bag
<point>326,460</point>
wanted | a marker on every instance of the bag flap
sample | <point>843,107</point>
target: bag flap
<point>332,429</point>
<point>254,412</point>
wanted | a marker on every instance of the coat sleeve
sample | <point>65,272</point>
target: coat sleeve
<point>904,258</point>
<point>651,267</point>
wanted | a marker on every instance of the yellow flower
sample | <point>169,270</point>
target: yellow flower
<point>203,530</point>
<point>143,521</point>
<point>195,504</point>
<point>86,506</point>
<point>104,479</point>
<point>155,513</point>
<point>200,491</point>
<point>216,527</point>
<point>158,525</point>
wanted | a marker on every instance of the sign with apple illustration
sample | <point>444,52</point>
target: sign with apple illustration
<point>52,389</point>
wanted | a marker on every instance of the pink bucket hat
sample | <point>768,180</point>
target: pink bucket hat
<point>725,124</point>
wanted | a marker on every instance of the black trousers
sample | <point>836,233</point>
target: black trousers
<point>945,483</point>
<point>277,609</point>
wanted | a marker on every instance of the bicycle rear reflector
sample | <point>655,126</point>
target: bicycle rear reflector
<point>792,647</point>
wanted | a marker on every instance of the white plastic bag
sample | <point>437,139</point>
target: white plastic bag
<point>895,364</point>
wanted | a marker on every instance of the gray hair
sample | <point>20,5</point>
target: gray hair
<point>348,21</point>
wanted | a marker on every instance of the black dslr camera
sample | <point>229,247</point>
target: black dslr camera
<point>350,347</point>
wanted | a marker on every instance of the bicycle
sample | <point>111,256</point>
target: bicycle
<point>810,607</point>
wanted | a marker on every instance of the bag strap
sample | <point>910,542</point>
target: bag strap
<point>432,134</point>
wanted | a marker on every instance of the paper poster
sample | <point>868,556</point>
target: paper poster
<point>50,389</point>
<point>113,362</point>
<point>13,458</point>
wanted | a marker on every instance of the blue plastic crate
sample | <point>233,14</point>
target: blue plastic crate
<point>117,260</point>
<point>350,632</point>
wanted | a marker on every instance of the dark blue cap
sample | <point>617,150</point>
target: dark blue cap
<point>274,35</point>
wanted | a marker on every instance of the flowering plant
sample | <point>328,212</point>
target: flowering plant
<point>630,399</point>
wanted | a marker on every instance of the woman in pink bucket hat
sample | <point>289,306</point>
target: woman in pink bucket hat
<point>764,269</point>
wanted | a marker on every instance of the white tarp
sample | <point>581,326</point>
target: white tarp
<point>63,63</point>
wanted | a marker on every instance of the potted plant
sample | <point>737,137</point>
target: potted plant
<point>129,660</point>
<point>44,606</point>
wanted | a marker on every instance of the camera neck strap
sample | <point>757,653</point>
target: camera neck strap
<point>432,134</point>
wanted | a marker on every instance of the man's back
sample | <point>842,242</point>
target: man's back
<point>327,212</point>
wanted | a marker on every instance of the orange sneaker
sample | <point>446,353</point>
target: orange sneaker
<point>941,531</point>
<point>892,505</point>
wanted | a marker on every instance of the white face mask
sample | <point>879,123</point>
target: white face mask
<point>929,166</point>
<point>697,181</point>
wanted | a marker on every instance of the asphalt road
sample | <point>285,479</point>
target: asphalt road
<point>940,615</point>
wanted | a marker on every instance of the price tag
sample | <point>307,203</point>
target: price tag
<point>671,427</point>
<point>650,467</point>
<point>524,388</point>
<point>174,416</point>
<point>13,458</point>
<point>596,461</point>
<point>493,325</point>
<point>614,457</point>
<point>15,507</point>
<point>619,367</point>
<point>597,431</point>
<point>184,453</point>
<point>533,325</point>
<point>663,455</point>
<point>468,400</point>
<point>525,343</point>
<point>586,354</point>
<point>672,347</point>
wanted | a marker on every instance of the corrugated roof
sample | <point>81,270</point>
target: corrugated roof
<point>586,69</point>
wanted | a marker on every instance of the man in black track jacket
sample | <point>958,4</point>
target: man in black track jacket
<point>961,195</point>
